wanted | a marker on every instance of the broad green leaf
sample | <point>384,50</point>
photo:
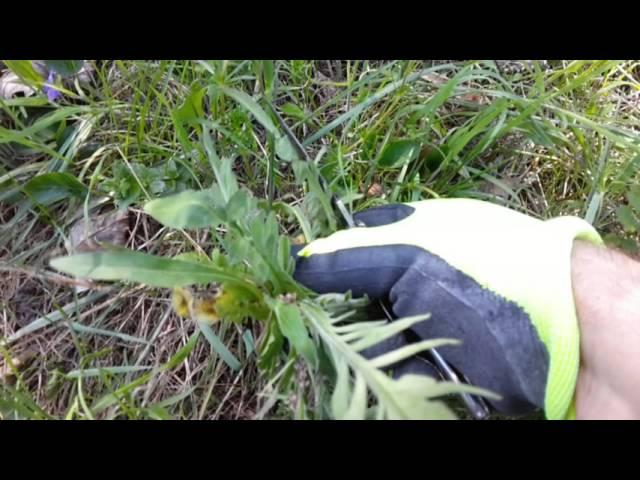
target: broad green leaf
<point>239,206</point>
<point>24,69</point>
<point>256,110</point>
<point>222,169</point>
<point>285,149</point>
<point>630,170</point>
<point>594,207</point>
<point>284,255</point>
<point>123,264</point>
<point>433,157</point>
<point>294,329</point>
<point>270,347</point>
<point>350,197</point>
<point>627,218</point>
<point>269,76</point>
<point>192,108</point>
<point>249,345</point>
<point>293,110</point>
<point>188,209</point>
<point>317,202</point>
<point>49,188</point>
<point>358,406</point>
<point>342,390</point>
<point>194,257</point>
<point>398,153</point>
<point>239,246</point>
<point>190,112</point>
<point>633,196</point>
<point>66,68</point>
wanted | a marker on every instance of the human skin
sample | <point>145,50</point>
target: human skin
<point>606,287</point>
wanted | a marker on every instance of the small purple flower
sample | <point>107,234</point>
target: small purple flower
<point>52,93</point>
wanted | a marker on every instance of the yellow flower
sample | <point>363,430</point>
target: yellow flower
<point>204,309</point>
<point>182,301</point>
<point>229,303</point>
<point>299,240</point>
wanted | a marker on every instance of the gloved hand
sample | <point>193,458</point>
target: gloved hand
<point>494,278</point>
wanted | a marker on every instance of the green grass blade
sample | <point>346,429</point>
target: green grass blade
<point>361,107</point>
<point>96,372</point>
<point>56,315</point>
<point>219,347</point>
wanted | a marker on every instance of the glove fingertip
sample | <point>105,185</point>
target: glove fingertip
<point>383,215</point>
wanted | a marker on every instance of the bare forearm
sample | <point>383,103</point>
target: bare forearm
<point>606,287</point>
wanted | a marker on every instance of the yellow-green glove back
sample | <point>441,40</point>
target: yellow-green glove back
<point>499,261</point>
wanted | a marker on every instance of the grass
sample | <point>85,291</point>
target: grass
<point>546,138</point>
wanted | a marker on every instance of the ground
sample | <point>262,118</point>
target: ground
<point>545,137</point>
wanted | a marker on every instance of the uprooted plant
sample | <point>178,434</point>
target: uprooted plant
<point>310,347</point>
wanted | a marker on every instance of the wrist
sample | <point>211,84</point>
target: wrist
<point>606,286</point>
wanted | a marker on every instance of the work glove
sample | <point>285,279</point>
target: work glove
<point>496,279</point>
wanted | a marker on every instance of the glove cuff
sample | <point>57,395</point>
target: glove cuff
<point>556,320</point>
